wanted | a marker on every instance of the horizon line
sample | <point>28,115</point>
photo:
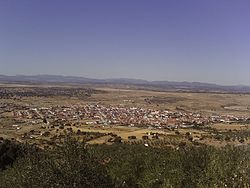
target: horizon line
<point>120,78</point>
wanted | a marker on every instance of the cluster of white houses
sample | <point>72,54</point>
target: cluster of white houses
<point>119,115</point>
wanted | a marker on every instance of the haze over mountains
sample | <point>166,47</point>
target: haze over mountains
<point>185,86</point>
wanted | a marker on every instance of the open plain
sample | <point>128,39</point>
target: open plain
<point>46,114</point>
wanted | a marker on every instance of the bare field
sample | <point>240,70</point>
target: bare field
<point>200,102</point>
<point>227,127</point>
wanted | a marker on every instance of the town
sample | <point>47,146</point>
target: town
<point>118,115</point>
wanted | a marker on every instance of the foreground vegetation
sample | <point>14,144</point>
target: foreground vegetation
<point>75,164</point>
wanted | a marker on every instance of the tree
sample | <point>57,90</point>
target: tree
<point>70,165</point>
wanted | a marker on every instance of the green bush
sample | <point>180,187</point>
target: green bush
<point>70,165</point>
<point>130,166</point>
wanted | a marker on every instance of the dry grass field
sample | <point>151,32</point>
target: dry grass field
<point>199,102</point>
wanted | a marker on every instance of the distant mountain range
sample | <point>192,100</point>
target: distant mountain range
<point>163,85</point>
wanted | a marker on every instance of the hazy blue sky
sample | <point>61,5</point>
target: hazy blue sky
<point>181,40</point>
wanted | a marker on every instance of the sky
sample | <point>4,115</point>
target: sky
<point>174,40</point>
